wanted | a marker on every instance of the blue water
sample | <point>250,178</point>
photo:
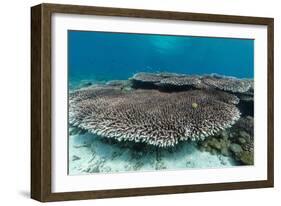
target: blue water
<point>102,56</point>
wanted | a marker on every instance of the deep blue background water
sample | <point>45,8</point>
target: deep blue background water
<point>99,56</point>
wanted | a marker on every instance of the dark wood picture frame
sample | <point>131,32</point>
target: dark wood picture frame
<point>41,101</point>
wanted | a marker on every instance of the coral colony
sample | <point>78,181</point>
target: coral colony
<point>158,118</point>
<point>167,109</point>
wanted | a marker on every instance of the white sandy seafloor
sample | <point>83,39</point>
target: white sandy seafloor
<point>89,153</point>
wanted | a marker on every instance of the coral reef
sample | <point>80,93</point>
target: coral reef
<point>147,77</point>
<point>158,118</point>
<point>164,80</point>
<point>176,82</point>
<point>137,124</point>
<point>243,89</point>
<point>237,141</point>
<point>228,84</point>
<point>124,85</point>
<point>146,80</point>
<point>180,83</point>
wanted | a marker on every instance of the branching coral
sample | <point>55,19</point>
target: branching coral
<point>148,80</point>
<point>147,77</point>
<point>184,82</point>
<point>150,116</point>
<point>228,84</point>
<point>179,82</point>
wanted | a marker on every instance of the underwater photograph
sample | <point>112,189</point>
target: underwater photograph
<point>151,102</point>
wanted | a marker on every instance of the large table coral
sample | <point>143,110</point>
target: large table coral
<point>175,82</point>
<point>158,118</point>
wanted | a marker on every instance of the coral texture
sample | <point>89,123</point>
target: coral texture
<point>228,84</point>
<point>181,82</point>
<point>237,141</point>
<point>177,82</point>
<point>157,118</point>
<point>147,77</point>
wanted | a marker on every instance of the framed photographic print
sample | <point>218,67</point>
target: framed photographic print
<point>130,102</point>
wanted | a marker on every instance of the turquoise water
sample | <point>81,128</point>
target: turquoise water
<point>98,57</point>
<point>102,56</point>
